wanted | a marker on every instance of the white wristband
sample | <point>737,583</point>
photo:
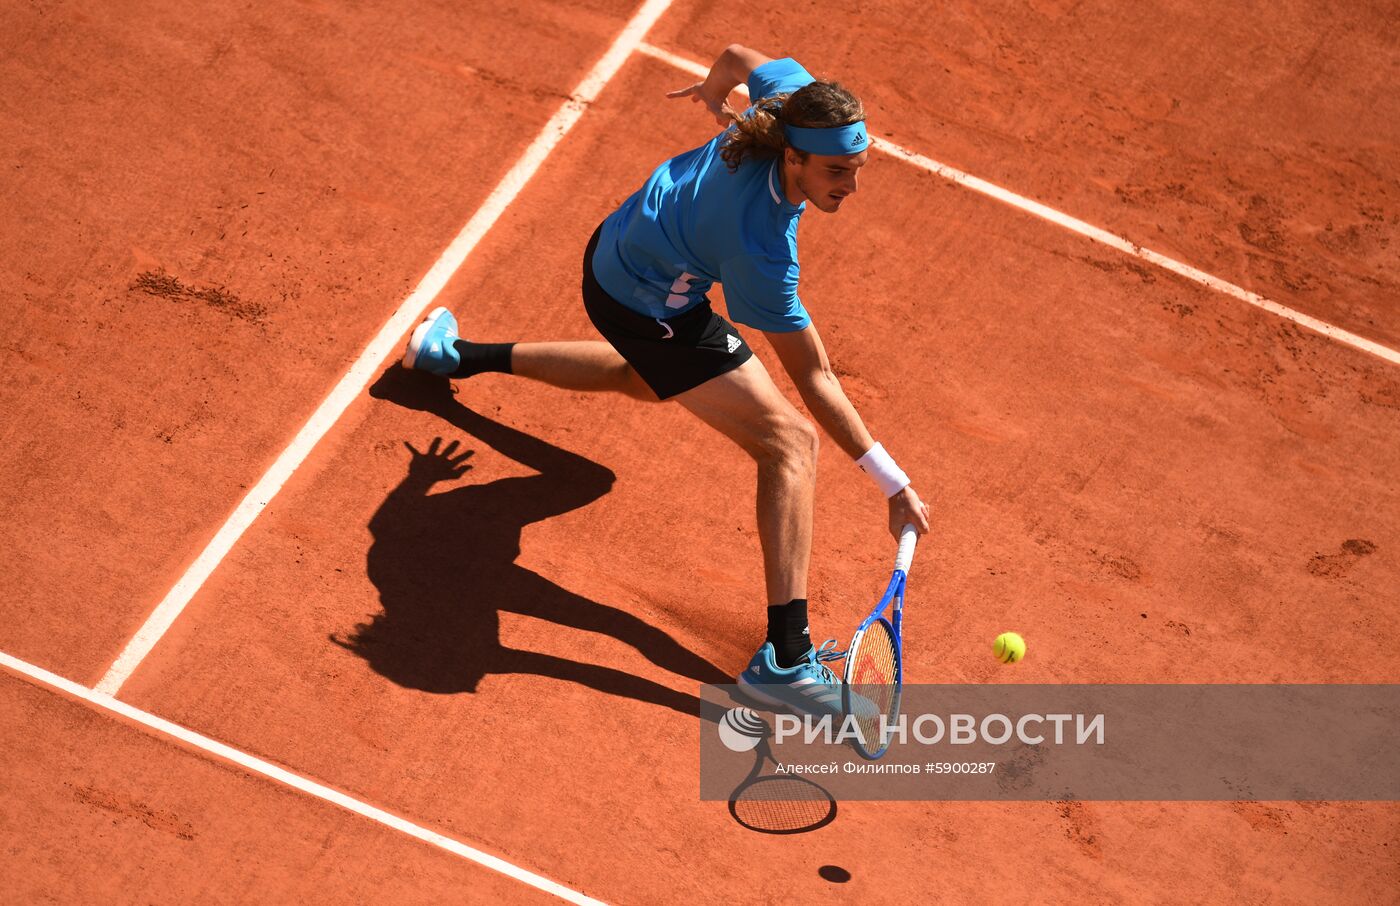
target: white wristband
<point>880,466</point>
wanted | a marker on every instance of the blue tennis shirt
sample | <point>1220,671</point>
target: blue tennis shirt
<point>694,224</point>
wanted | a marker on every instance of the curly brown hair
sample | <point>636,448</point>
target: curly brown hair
<point>760,134</point>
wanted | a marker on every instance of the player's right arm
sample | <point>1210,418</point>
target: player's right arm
<point>730,70</point>
<point>805,360</point>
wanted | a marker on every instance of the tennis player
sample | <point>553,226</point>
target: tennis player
<point>726,212</point>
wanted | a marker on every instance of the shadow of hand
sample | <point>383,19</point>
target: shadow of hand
<point>438,463</point>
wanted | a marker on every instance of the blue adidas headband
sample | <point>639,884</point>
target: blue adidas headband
<point>832,140</point>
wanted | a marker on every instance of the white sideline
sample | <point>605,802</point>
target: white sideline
<point>380,348</point>
<point>1085,229</point>
<point>252,763</point>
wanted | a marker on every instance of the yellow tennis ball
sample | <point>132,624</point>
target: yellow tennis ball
<point>1009,648</point>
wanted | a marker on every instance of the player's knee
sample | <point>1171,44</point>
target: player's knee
<point>808,442</point>
<point>790,441</point>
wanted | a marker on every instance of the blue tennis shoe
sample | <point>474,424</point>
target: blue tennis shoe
<point>809,686</point>
<point>430,348</point>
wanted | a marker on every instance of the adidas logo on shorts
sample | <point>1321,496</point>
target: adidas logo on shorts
<point>733,342</point>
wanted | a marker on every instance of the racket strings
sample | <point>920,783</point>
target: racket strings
<point>873,679</point>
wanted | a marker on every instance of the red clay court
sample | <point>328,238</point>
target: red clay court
<point>1119,290</point>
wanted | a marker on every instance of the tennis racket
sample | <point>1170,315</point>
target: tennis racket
<point>874,676</point>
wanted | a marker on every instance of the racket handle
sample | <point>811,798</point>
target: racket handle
<point>908,537</point>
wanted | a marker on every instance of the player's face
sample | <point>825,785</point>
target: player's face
<point>826,180</point>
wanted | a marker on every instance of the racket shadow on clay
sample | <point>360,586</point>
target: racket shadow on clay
<point>774,803</point>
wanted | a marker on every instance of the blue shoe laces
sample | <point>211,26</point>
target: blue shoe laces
<point>827,652</point>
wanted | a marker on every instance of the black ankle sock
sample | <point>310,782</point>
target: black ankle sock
<point>478,358</point>
<point>787,630</point>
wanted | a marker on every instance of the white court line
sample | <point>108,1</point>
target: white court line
<point>380,348</point>
<point>295,781</point>
<point>1085,229</point>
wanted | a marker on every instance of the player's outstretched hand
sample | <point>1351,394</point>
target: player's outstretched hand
<point>718,107</point>
<point>906,508</point>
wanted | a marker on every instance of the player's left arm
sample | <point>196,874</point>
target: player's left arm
<point>731,69</point>
<point>805,360</point>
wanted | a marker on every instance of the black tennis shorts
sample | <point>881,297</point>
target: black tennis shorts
<point>672,355</point>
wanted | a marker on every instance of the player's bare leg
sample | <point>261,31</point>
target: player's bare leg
<point>747,407</point>
<point>587,365</point>
<point>744,405</point>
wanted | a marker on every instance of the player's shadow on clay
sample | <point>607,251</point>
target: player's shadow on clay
<point>444,564</point>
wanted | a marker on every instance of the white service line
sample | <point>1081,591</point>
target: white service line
<point>1084,229</point>
<point>281,775</point>
<point>380,348</point>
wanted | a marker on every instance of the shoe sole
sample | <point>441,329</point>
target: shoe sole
<point>754,691</point>
<point>420,333</point>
